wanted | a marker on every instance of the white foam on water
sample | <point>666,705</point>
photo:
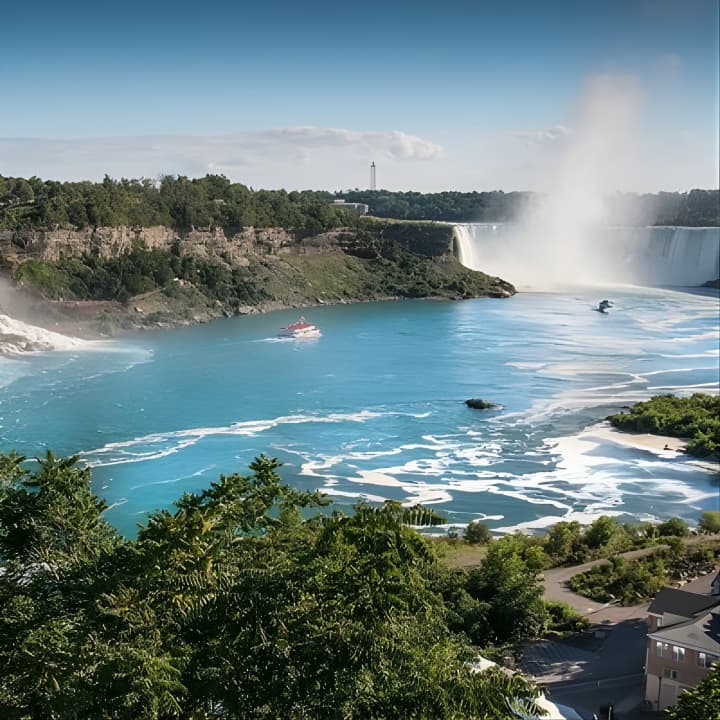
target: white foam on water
<point>158,445</point>
<point>427,496</point>
<point>180,478</point>
<point>543,523</point>
<point>117,503</point>
<point>344,493</point>
<point>377,477</point>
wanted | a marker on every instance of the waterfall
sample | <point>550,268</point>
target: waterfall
<point>663,256</point>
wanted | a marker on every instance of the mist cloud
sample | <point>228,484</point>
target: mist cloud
<point>558,240</point>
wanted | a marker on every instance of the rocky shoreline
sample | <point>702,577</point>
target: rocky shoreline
<point>230,274</point>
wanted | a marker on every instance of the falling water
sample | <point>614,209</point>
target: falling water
<point>651,256</point>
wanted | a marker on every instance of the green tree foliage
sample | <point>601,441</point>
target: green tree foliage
<point>710,521</point>
<point>182,203</point>
<point>571,544</point>
<point>701,702</point>
<point>449,206</point>
<point>696,419</point>
<point>601,531</point>
<point>247,600</point>
<point>500,602</point>
<point>627,582</point>
<point>390,272</point>
<point>697,208</point>
<point>179,202</point>
<point>563,619</point>
<point>673,527</point>
<point>477,533</point>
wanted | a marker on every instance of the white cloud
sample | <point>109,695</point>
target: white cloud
<point>551,136</point>
<point>243,156</point>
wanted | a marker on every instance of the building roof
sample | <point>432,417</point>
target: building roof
<point>702,633</point>
<point>682,602</point>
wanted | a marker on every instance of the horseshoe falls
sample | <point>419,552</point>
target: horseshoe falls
<point>649,256</point>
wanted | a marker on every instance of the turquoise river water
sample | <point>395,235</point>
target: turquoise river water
<point>374,408</point>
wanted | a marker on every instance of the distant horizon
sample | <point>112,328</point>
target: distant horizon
<point>156,179</point>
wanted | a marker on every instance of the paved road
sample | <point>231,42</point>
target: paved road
<point>620,653</point>
<point>609,670</point>
<point>554,581</point>
<point>624,693</point>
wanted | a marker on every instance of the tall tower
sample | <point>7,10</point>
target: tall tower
<point>372,176</point>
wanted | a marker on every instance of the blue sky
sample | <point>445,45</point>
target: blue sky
<point>452,95</point>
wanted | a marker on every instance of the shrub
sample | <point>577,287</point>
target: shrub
<point>674,526</point>
<point>477,533</point>
<point>562,618</point>
<point>710,522</point>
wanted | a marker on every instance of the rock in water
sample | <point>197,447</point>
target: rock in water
<point>480,404</point>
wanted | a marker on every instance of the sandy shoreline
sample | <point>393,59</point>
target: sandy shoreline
<point>658,444</point>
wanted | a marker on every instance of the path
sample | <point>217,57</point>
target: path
<point>607,613</point>
<point>555,589</point>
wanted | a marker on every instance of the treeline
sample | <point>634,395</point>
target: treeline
<point>178,202</point>
<point>248,600</point>
<point>451,206</point>
<point>213,201</point>
<point>697,208</point>
<point>570,543</point>
<point>695,419</point>
<point>138,271</point>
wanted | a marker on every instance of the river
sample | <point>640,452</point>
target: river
<point>374,408</point>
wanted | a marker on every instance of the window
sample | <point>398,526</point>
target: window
<point>670,674</point>
<point>662,649</point>
<point>705,660</point>
<point>678,653</point>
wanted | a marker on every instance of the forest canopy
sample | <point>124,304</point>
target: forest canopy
<point>247,600</point>
<point>214,201</point>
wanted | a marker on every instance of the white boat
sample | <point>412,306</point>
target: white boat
<point>300,330</point>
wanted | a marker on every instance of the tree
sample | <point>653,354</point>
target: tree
<point>673,527</point>
<point>710,521</point>
<point>701,702</point>
<point>601,531</point>
<point>510,605</point>
<point>244,601</point>
<point>561,539</point>
<point>477,533</point>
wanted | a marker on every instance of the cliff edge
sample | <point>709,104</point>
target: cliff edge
<point>105,280</point>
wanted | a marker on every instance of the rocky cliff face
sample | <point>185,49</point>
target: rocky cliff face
<point>51,245</point>
<point>233,247</point>
<point>241,271</point>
